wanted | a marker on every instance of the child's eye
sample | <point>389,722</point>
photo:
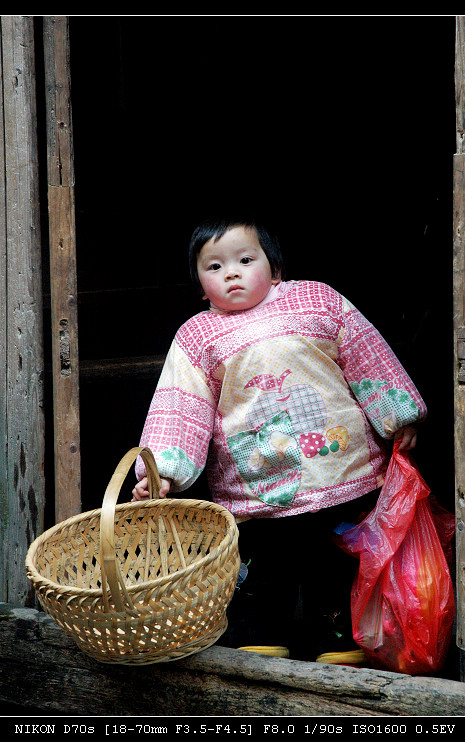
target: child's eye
<point>245,261</point>
<point>214,267</point>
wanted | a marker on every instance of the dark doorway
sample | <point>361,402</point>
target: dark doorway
<point>340,131</point>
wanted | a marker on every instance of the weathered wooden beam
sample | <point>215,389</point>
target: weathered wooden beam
<point>42,668</point>
<point>460,83</point>
<point>3,336</point>
<point>22,483</point>
<point>459,332</point>
<point>63,272</point>
<point>136,368</point>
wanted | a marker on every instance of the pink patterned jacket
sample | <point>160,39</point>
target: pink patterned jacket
<point>287,404</point>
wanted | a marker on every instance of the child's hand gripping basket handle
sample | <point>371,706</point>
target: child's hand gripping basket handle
<point>109,565</point>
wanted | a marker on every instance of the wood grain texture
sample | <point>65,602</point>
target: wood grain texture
<point>459,330</point>
<point>63,268</point>
<point>41,667</point>
<point>22,485</point>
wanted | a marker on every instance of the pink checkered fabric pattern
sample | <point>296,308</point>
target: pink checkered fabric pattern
<point>226,373</point>
<point>181,418</point>
<point>365,354</point>
<point>307,308</point>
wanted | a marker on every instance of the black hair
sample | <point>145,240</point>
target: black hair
<point>215,228</point>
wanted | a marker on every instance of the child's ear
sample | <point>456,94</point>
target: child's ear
<point>204,296</point>
<point>275,281</point>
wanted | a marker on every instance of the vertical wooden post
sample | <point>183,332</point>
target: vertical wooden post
<point>459,333</point>
<point>61,208</point>
<point>4,489</point>
<point>22,484</point>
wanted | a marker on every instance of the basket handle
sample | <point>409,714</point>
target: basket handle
<point>109,566</point>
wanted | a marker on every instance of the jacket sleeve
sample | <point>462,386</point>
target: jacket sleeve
<point>180,421</point>
<point>376,377</point>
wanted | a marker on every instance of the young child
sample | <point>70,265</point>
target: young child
<point>288,395</point>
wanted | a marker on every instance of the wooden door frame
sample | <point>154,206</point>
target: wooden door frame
<point>22,489</point>
<point>459,334</point>
<point>63,273</point>
<point>22,457</point>
<point>22,481</point>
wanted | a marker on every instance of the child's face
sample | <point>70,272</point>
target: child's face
<point>234,271</point>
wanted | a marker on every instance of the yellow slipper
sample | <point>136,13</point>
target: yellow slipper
<point>354,657</point>
<point>270,651</point>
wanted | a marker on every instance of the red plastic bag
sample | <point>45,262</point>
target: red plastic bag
<point>402,597</point>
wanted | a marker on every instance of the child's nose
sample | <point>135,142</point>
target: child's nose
<point>232,272</point>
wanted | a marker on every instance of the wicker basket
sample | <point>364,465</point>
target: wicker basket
<point>141,582</point>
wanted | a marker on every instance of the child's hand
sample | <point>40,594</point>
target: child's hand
<point>408,438</point>
<point>165,487</point>
<point>140,491</point>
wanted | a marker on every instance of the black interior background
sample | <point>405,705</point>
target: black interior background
<point>339,131</point>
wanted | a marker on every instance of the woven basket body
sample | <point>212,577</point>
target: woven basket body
<point>141,582</point>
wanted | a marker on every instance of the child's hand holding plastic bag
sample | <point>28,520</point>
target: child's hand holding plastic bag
<point>402,598</point>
